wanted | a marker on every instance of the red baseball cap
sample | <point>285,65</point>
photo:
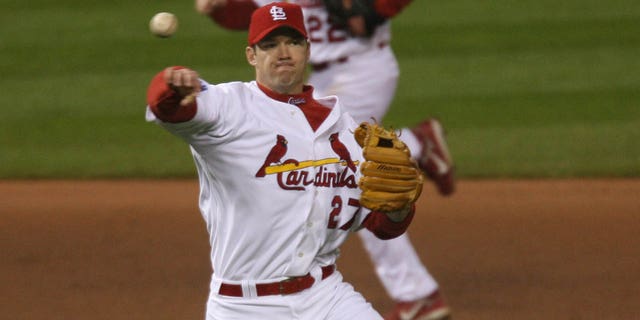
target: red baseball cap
<point>275,15</point>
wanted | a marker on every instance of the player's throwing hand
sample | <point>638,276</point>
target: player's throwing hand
<point>183,81</point>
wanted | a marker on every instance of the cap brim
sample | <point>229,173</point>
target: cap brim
<point>266,32</point>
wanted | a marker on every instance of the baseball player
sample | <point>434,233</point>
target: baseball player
<point>280,181</point>
<point>353,60</point>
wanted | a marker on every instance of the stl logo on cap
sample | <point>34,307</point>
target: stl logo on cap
<point>275,15</point>
<point>278,13</point>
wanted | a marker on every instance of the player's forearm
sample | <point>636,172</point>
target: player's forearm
<point>234,15</point>
<point>390,8</point>
<point>165,102</point>
<point>387,227</point>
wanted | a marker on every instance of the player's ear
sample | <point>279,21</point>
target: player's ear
<point>250,52</point>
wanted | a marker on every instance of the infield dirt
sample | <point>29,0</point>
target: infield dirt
<point>538,249</point>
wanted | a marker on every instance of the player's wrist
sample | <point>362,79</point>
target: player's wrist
<point>399,215</point>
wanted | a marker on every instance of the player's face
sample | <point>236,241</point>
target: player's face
<point>280,60</point>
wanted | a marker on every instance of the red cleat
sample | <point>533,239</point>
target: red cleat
<point>435,159</point>
<point>432,307</point>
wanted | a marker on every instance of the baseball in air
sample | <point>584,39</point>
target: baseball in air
<point>163,24</point>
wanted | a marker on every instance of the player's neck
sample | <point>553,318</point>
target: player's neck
<point>290,89</point>
<point>304,95</point>
<point>314,112</point>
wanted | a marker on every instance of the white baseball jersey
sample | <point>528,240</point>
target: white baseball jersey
<point>329,43</point>
<point>277,197</point>
<point>277,220</point>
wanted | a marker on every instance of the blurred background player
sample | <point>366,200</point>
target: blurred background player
<point>353,60</point>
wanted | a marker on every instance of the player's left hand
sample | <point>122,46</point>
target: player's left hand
<point>391,181</point>
<point>359,17</point>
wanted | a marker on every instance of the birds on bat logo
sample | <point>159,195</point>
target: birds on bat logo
<point>273,162</point>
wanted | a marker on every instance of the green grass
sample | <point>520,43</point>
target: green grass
<point>526,89</point>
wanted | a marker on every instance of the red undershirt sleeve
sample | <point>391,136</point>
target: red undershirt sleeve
<point>390,8</point>
<point>235,15</point>
<point>384,228</point>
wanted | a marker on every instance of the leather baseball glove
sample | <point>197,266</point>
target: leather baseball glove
<point>391,180</point>
<point>341,11</point>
